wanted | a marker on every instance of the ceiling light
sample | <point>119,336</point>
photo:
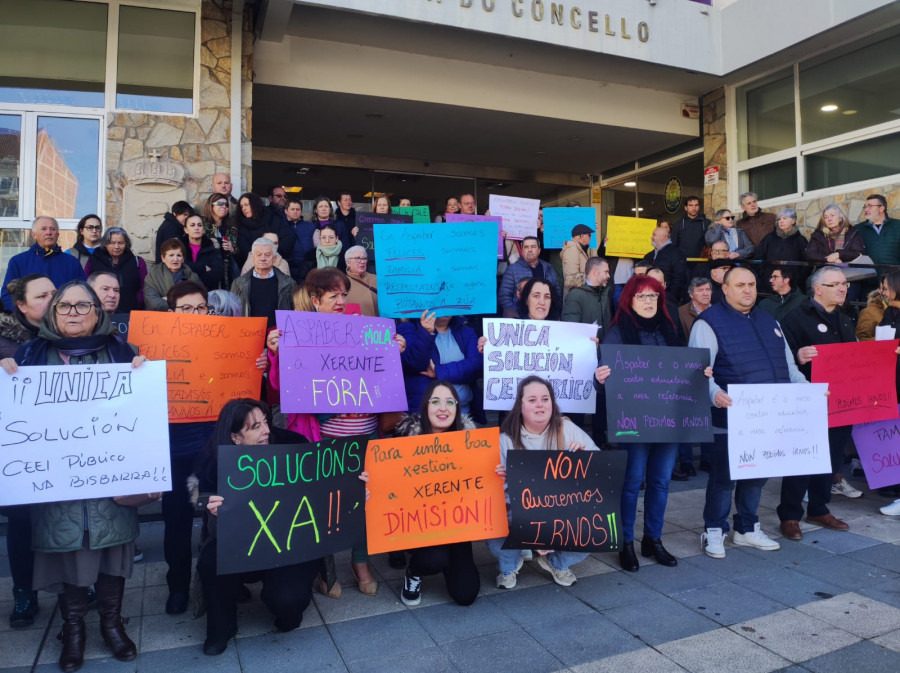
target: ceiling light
<point>637,209</point>
<point>631,183</point>
<point>849,112</point>
<point>829,107</point>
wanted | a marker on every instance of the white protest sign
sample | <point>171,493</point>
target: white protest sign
<point>885,333</point>
<point>778,430</point>
<point>519,215</point>
<point>83,431</point>
<point>559,352</point>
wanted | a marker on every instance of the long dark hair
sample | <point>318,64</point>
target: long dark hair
<point>256,206</point>
<point>512,424</point>
<point>423,407</point>
<point>231,420</point>
<point>629,323</point>
<point>555,303</point>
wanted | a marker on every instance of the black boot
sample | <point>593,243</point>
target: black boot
<point>25,607</point>
<point>652,546</point>
<point>221,613</point>
<point>628,559</point>
<point>110,591</point>
<point>73,604</point>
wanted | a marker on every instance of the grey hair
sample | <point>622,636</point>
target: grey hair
<point>593,263</point>
<point>43,217</point>
<point>721,212</point>
<point>817,276</point>
<point>223,302</point>
<point>262,241</point>
<point>109,233</point>
<point>353,249</point>
<point>745,195</point>
<point>697,282</point>
<point>786,212</point>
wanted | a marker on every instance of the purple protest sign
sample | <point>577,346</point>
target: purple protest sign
<point>878,444</point>
<point>330,363</point>
<point>458,217</point>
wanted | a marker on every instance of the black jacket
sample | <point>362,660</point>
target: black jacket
<point>802,328</point>
<point>209,256</point>
<point>249,230</point>
<point>673,264</point>
<point>170,228</point>
<point>687,235</point>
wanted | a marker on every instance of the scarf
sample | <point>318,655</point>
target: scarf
<point>328,255</point>
<point>787,234</point>
<point>630,327</point>
<point>101,347</point>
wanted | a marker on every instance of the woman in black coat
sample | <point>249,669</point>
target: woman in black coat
<point>204,257</point>
<point>254,220</point>
<point>785,244</point>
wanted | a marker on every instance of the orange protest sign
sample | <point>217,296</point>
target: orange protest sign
<point>209,359</point>
<point>434,489</point>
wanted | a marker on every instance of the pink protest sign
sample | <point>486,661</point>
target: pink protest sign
<point>457,217</point>
<point>878,445</point>
<point>330,363</point>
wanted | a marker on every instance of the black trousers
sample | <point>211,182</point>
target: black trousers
<point>457,564</point>
<point>287,592</point>
<point>18,545</point>
<point>178,517</point>
<point>818,485</point>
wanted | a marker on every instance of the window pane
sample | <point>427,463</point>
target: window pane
<point>10,156</point>
<point>771,180</point>
<point>52,52</point>
<point>67,167</point>
<point>165,39</point>
<point>852,163</point>
<point>766,116</point>
<point>856,90</point>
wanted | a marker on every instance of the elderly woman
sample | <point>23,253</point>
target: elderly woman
<point>202,253</point>
<point>835,240</point>
<point>363,286</point>
<point>172,225</point>
<point>222,227</point>
<point>78,543</point>
<point>90,230</point>
<point>163,276</point>
<point>114,255</point>
<point>224,303</point>
<point>739,245</point>
<point>785,244</point>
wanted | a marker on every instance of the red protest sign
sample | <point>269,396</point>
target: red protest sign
<point>861,378</point>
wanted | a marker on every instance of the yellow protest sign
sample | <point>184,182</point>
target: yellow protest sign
<point>628,236</point>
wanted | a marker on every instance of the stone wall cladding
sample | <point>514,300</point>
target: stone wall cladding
<point>715,196</point>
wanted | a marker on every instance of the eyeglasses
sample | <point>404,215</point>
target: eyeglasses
<point>359,259</point>
<point>727,217</point>
<point>92,227</point>
<point>845,284</point>
<point>202,309</point>
<point>220,203</point>
<point>774,277</point>
<point>718,252</point>
<point>647,296</point>
<point>81,307</point>
<point>437,402</point>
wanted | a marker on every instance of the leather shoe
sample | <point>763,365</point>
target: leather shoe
<point>790,529</point>
<point>177,603</point>
<point>678,474</point>
<point>628,559</point>
<point>214,646</point>
<point>828,521</point>
<point>652,546</point>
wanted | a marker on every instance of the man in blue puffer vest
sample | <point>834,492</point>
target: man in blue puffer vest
<point>746,345</point>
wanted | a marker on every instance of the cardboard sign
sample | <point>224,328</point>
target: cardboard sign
<point>777,430</point>
<point>878,445</point>
<point>285,504</point>
<point>451,269</point>
<point>210,359</point>
<point>628,236</point>
<point>83,431</point>
<point>559,222</point>
<point>565,500</point>
<point>456,217</point>
<point>561,353</point>
<point>863,392</point>
<point>419,214</point>
<point>657,394</point>
<point>331,363</point>
<point>519,215</point>
<point>366,234</point>
<point>434,489</point>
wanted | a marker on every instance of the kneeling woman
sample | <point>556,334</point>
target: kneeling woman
<point>287,590</point>
<point>535,424</point>
<point>438,412</point>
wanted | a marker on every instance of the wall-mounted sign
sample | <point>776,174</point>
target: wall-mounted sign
<point>711,176</point>
<point>672,195</point>
<point>690,111</point>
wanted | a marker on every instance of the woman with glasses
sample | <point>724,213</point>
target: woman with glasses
<point>328,249</point>
<point>89,229</point>
<point>643,320</point>
<point>173,225</point>
<point>739,245</point>
<point>363,286</point>
<point>222,228</point>
<point>114,256</point>
<point>78,543</point>
<point>438,412</point>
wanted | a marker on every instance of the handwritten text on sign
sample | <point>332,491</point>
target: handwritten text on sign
<point>519,215</point>
<point>559,222</point>
<point>434,489</point>
<point>451,269</point>
<point>458,217</point>
<point>285,504</point>
<point>83,431</point>
<point>628,236</point>
<point>565,500</point>
<point>878,445</point>
<point>863,392</point>
<point>366,223</point>
<point>657,394</point>
<point>419,214</point>
<point>333,363</point>
<point>777,430</point>
<point>210,360</point>
<point>559,352</point>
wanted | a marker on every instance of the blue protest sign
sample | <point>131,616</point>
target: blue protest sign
<point>559,222</point>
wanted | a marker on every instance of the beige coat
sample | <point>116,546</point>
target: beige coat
<point>574,259</point>
<point>362,295</point>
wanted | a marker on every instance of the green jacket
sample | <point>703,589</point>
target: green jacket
<point>883,248</point>
<point>60,526</point>
<point>589,304</point>
<point>779,306</point>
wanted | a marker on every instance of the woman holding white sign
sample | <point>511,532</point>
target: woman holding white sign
<point>82,542</point>
<point>642,319</point>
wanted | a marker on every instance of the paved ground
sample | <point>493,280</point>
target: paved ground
<point>828,603</point>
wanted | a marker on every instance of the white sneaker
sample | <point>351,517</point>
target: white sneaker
<point>713,542</point>
<point>856,468</point>
<point>564,578</point>
<point>806,497</point>
<point>755,538</point>
<point>508,580</point>
<point>891,510</point>
<point>527,555</point>
<point>845,489</point>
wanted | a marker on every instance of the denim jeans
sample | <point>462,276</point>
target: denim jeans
<point>685,453</point>
<point>508,559</point>
<point>657,461</point>
<point>747,492</point>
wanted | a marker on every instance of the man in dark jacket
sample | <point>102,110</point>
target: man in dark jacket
<point>529,265</point>
<point>785,297</point>
<point>688,232</point>
<point>818,321</point>
<point>666,257</point>
<point>172,225</point>
<point>755,223</point>
<point>303,259</point>
<point>264,289</point>
<point>880,233</point>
